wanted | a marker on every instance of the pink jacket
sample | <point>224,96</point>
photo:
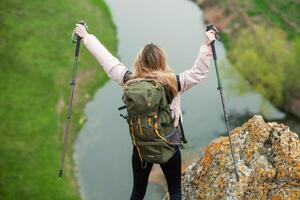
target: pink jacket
<point>116,70</point>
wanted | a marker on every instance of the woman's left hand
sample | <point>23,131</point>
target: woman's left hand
<point>209,37</point>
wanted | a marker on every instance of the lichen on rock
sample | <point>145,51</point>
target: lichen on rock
<point>268,163</point>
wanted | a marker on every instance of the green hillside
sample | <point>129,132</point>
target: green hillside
<point>262,40</point>
<point>36,56</point>
<point>280,13</point>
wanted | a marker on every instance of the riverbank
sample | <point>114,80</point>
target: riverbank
<point>36,57</point>
<point>262,43</point>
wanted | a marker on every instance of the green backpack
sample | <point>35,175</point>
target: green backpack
<point>150,121</point>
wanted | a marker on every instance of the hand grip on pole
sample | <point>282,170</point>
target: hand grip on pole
<point>213,48</point>
<point>76,37</point>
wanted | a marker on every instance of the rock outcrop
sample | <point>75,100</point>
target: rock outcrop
<point>267,159</point>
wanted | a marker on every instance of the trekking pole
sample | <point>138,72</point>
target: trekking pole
<point>75,39</point>
<point>182,131</point>
<point>212,27</point>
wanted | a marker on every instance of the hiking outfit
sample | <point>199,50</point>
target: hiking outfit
<point>188,78</point>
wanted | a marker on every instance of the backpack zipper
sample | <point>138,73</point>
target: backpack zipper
<point>156,131</point>
<point>133,138</point>
<point>139,125</point>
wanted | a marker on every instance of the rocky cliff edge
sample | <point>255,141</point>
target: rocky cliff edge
<point>267,159</point>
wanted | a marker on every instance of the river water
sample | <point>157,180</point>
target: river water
<point>103,148</point>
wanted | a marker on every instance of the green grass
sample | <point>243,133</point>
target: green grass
<point>36,57</point>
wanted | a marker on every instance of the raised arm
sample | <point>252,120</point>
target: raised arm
<point>111,65</point>
<point>200,69</point>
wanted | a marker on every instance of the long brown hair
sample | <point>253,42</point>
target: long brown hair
<point>151,62</point>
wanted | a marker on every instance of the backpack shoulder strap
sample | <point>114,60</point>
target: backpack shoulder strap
<point>178,83</point>
<point>126,76</point>
<point>168,92</point>
<point>128,73</point>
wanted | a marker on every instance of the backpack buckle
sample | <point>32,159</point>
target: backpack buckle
<point>124,116</point>
<point>122,107</point>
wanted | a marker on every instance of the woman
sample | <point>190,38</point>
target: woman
<point>151,63</point>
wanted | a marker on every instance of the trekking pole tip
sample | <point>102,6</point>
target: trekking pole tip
<point>237,178</point>
<point>60,174</point>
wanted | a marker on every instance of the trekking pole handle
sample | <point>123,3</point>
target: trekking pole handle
<point>218,37</point>
<point>212,27</point>
<point>75,36</point>
<point>77,39</point>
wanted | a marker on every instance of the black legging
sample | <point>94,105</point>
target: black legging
<point>171,170</point>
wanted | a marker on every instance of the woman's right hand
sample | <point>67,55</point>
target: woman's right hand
<point>80,30</point>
